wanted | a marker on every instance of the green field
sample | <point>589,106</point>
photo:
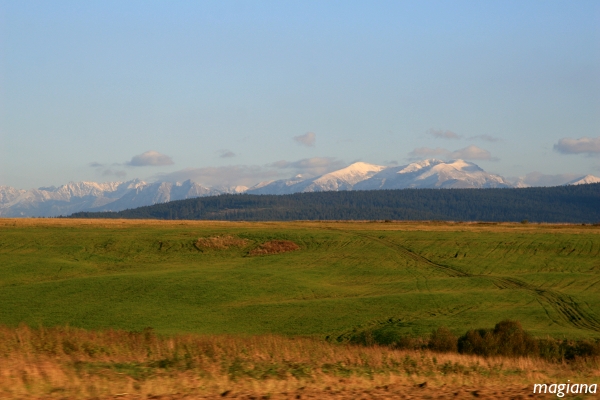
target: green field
<point>347,275</point>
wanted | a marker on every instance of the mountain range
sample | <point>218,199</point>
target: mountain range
<point>116,196</point>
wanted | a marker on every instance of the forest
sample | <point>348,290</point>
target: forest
<point>570,204</point>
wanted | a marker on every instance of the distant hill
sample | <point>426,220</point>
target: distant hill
<point>573,204</point>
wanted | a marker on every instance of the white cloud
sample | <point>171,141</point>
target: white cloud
<point>440,134</point>
<point>589,146</point>
<point>308,139</point>
<point>150,158</point>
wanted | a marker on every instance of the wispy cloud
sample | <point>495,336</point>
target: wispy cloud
<point>539,179</point>
<point>226,153</point>
<point>106,170</point>
<point>232,175</point>
<point>114,172</point>
<point>486,138</point>
<point>473,153</point>
<point>584,145</point>
<point>441,134</point>
<point>426,152</point>
<point>150,158</point>
<point>308,139</point>
<point>249,175</point>
<point>310,166</point>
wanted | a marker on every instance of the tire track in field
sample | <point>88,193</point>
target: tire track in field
<point>563,304</point>
<point>453,272</point>
<point>417,275</point>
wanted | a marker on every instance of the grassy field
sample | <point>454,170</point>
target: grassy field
<point>343,276</point>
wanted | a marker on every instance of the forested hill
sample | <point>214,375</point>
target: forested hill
<point>578,204</point>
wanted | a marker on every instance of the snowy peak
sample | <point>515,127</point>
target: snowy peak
<point>433,174</point>
<point>345,178</point>
<point>342,179</point>
<point>416,166</point>
<point>363,176</point>
<point>584,180</point>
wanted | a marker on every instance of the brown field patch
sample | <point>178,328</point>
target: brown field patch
<point>274,247</point>
<point>220,242</point>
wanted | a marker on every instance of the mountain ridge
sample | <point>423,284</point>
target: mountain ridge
<point>117,196</point>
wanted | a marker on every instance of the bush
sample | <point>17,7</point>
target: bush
<point>506,339</point>
<point>387,335</point>
<point>442,339</point>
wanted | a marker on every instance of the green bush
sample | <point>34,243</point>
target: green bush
<point>387,335</point>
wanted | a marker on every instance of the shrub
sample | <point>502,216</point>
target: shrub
<point>506,339</point>
<point>387,335</point>
<point>442,339</point>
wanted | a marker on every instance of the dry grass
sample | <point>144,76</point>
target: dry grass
<point>274,247</point>
<point>74,363</point>
<point>221,242</point>
<point>434,226</point>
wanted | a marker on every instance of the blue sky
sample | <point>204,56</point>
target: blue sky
<point>242,91</point>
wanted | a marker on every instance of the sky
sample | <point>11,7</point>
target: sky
<point>237,92</point>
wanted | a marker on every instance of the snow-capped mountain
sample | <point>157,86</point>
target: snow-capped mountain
<point>584,180</point>
<point>433,174</point>
<point>92,196</point>
<point>343,179</point>
<point>362,176</point>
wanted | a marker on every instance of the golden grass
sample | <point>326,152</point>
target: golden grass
<point>74,363</point>
<point>433,226</point>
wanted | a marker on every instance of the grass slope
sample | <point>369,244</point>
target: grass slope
<point>135,274</point>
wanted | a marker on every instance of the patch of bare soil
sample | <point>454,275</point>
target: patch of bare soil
<point>274,247</point>
<point>220,242</point>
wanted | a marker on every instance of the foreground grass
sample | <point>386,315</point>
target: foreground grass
<point>74,363</point>
<point>343,277</point>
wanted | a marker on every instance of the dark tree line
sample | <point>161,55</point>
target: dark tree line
<point>575,204</point>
